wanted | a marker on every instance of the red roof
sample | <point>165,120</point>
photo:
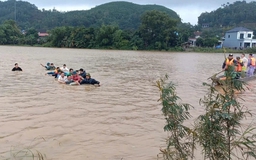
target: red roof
<point>42,34</point>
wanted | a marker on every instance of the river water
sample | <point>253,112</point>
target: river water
<point>119,120</point>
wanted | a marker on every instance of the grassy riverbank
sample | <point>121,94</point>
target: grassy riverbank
<point>174,49</point>
<point>223,50</point>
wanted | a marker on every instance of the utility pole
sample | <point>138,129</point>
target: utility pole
<point>15,10</point>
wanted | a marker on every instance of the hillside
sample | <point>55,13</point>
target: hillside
<point>240,13</point>
<point>124,14</point>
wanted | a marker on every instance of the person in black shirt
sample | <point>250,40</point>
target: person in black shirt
<point>82,73</point>
<point>89,80</point>
<point>16,68</point>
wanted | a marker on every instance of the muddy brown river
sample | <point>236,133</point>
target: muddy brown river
<point>119,120</point>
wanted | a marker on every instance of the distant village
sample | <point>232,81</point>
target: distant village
<point>236,38</point>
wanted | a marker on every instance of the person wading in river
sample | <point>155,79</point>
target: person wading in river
<point>16,67</point>
<point>89,80</point>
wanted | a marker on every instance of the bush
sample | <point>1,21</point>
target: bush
<point>217,131</point>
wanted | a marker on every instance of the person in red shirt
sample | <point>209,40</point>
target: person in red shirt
<point>76,78</point>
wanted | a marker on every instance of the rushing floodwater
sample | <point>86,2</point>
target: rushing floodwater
<point>120,119</point>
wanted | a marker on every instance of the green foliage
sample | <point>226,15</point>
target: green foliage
<point>176,49</point>
<point>136,41</point>
<point>184,30</point>
<point>108,36</point>
<point>158,30</point>
<point>207,42</point>
<point>210,42</point>
<point>111,26</point>
<point>31,37</point>
<point>214,50</point>
<point>236,14</point>
<point>27,15</point>
<point>218,131</point>
<point>200,42</point>
<point>60,37</point>
<point>250,50</point>
<point>126,15</point>
<point>9,33</point>
<point>115,25</point>
<point>175,114</point>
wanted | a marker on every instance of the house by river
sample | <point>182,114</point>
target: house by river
<point>239,37</point>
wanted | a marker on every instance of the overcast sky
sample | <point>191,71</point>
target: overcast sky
<point>188,10</point>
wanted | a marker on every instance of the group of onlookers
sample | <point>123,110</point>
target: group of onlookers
<point>241,64</point>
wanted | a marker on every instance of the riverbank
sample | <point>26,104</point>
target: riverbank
<point>221,50</point>
<point>174,49</point>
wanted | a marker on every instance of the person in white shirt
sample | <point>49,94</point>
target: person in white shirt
<point>64,68</point>
<point>62,78</point>
<point>245,62</point>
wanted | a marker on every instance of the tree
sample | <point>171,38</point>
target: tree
<point>178,148</point>
<point>126,15</point>
<point>3,38</point>
<point>200,42</point>
<point>59,37</point>
<point>185,30</point>
<point>210,42</point>
<point>31,36</point>
<point>240,13</point>
<point>158,30</point>
<point>136,41</point>
<point>219,131</point>
<point>105,36</point>
<point>10,33</point>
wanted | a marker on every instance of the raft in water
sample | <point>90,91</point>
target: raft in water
<point>221,79</point>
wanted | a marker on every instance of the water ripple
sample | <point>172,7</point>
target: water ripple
<point>120,119</point>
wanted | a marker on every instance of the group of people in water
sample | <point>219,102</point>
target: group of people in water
<point>65,75</point>
<point>70,76</point>
<point>240,65</point>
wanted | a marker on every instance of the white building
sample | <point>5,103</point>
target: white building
<point>192,41</point>
<point>239,37</point>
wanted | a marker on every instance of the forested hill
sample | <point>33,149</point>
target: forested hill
<point>239,13</point>
<point>124,14</point>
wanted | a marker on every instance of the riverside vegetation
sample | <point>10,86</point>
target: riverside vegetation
<point>218,131</point>
<point>121,26</point>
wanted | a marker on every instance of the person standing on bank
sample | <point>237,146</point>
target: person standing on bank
<point>251,65</point>
<point>239,64</point>
<point>16,67</point>
<point>245,62</point>
<point>230,61</point>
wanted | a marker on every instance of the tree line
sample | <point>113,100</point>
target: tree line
<point>230,15</point>
<point>126,15</point>
<point>157,31</point>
